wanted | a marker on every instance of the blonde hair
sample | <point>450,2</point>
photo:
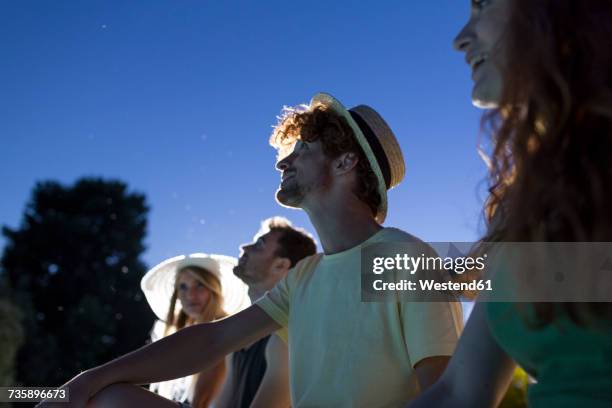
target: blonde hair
<point>213,309</point>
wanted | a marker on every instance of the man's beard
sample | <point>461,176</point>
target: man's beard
<point>290,197</point>
<point>239,272</point>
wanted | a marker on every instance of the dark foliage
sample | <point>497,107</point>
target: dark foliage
<point>73,268</point>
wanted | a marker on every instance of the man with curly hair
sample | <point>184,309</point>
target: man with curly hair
<point>337,166</point>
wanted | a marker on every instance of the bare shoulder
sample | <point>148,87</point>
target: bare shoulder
<point>276,348</point>
<point>276,343</point>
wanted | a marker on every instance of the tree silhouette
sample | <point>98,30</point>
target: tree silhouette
<point>11,338</point>
<point>73,269</point>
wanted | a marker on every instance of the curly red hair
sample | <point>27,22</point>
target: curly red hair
<point>551,165</point>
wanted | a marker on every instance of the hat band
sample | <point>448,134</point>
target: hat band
<point>377,149</point>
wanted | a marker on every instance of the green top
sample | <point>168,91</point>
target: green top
<point>572,364</point>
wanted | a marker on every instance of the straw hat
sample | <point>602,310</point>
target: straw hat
<point>158,283</point>
<point>377,142</point>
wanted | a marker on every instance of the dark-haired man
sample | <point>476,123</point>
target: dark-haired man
<point>337,166</point>
<point>258,375</point>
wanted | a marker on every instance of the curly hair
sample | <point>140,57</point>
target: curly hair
<point>310,124</point>
<point>550,172</point>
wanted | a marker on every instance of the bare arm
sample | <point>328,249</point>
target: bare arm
<point>273,391</point>
<point>222,400</point>
<point>429,370</point>
<point>478,373</point>
<point>192,349</point>
<point>208,384</point>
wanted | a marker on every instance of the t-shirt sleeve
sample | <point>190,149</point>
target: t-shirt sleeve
<point>276,302</point>
<point>283,334</point>
<point>431,328</point>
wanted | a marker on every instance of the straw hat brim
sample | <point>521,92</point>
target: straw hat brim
<point>337,107</point>
<point>158,283</point>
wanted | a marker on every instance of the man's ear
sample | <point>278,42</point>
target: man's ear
<point>281,264</point>
<point>345,162</point>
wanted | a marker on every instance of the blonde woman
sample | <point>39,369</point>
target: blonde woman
<point>188,290</point>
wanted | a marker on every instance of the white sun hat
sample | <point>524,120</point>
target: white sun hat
<point>158,283</point>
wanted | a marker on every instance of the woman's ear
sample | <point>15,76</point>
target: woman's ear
<point>346,162</point>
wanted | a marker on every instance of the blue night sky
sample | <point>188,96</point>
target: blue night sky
<point>177,99</point>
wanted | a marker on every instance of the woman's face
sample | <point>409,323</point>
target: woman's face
<point>480,41</point>
<point>192,294</point>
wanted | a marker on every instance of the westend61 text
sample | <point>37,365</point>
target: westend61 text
<point>431,285</point>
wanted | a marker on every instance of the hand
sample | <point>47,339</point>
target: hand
<point>80,389</point>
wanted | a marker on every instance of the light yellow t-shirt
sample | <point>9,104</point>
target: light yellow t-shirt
<point>348,353</point>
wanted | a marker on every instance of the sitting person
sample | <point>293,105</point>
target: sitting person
<point>206,291</point>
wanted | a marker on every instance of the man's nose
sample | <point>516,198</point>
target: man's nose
<point>284,164</point>
<point>464,39</point>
